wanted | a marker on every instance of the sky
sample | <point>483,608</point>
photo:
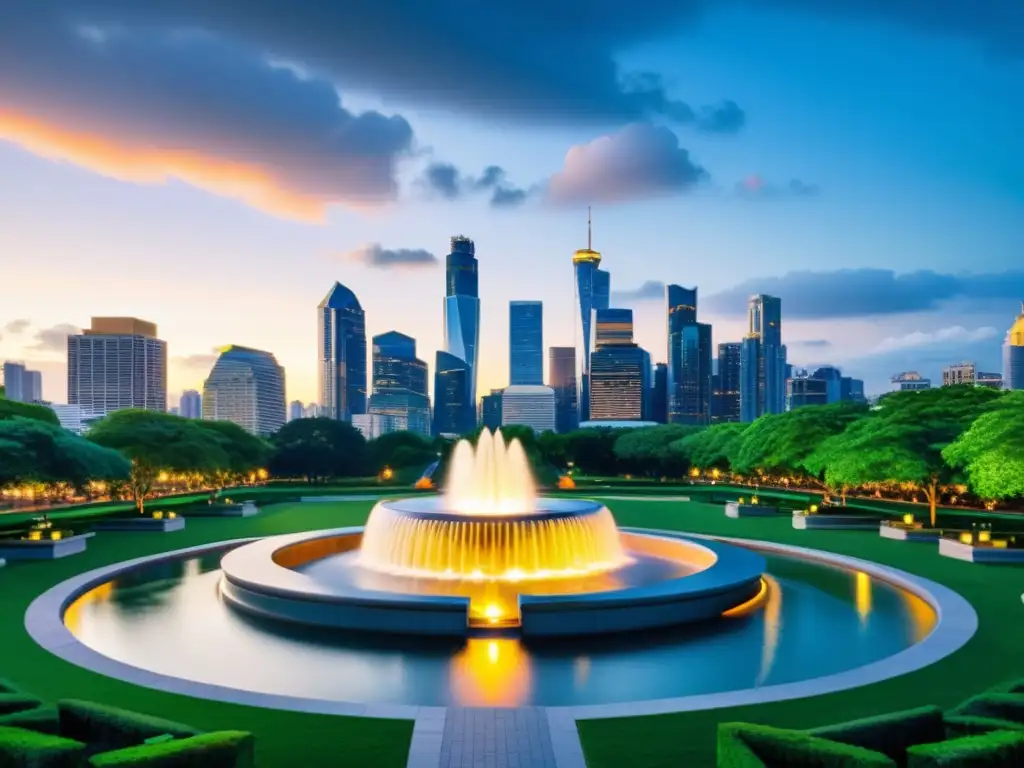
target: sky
<point>214,166</point>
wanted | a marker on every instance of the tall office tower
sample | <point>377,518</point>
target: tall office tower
<point>725,398</point>
<point>14,381</point>
<point>562,379</point>
<point>647,405</point>
<point>592,290</point>
<point>462,314</point>
<point>399,384</point>
<point>763,360</point>
<point>802,390</point>
<point>526,342</point>
<point>341,329</point>
<point>962,373</point>
<point>689,359</point>
<point>454,415</point>
<point>613,326</point>
<point>296,410</point>
<point>191,405</point>
<point>118,362</point>
<point>529,406</point>
<point>833,379</point>
<point>659,394</point>
<point>490,410</point>
<point>853,390</point>
<point>618,381</point>
<point>33,383</point>
<point>910,381</point>
<point>246,386</point>
<point>1013,354</point>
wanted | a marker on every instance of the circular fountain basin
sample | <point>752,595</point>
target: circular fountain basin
<point>417,585</point>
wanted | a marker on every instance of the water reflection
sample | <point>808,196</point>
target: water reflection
<point>170,620</point>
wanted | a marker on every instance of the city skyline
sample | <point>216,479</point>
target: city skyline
<point>860,206</point>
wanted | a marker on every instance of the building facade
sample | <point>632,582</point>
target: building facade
<point>341,326</point>
<point>592,291</point>
<point>562,379</point>
<point>454,415</point>
<point>74,418</point>
<point>617,383</point>
<point>689,359</point>
<point>400,383</point>
<point>118,362</point>
<point>246,386</point>
<point>802,390</point>
<point>659,394</point>
<point>373,425</point>
<point>961,373</point>
<point>910,381</point>
<point>526,342</point>
<point>1013,354</point>
<point>296,410</point>
<point>22,384</point>
<point>462,315</point>
<point>490,410</point>
<point>725,396</point>
<point>190,406</point>
<point>529,406</point>
<point>763,360</point>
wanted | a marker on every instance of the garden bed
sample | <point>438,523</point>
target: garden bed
<point>161,524</point>
<point>736,510</point>
<point>246,509</point>
<point>816,521</point>
<point>992,550</point>
<point>43,548</point>
<point>888,529</point>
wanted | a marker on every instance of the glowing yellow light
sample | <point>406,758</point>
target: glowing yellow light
<point>741,500</point>
<point>813,508</point>
<point>55,535</point>
<point>566,483</point>
<point>493,613</point>
<point>750,605</point>
<point>862,596</point>
<point>908,519</point>
<point>966,538</point>
<point>35,535</point>
<point>163,477</point>
<point>158,515</point>
<point>171,515</point>
<point>754,500</point>
<point>493,654</point>
<point>424,483</point>
<point>716,473</point>
<point>387,473</point>
<point>984,536</point>
<point>695,472</point>
<point>262,474</point>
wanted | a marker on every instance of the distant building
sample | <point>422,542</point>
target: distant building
<point>400,382</point>
<point>530,406</point>
<point>725,397</point>
<point>961,373</point>
<point>616,424</point>
<point>763,360</point>
<point>562,379</point>
<point>118,362</point>
<point>833,378</point>
<point>659,394</point>
<point>296,410</point>
<point>490,410</point>
<point>373,425</point>
<point>453,414</point>
<point>246,386</point>
<point>802,390</point>
<point>462,316</point>
<point>74,418</point>
<point>190,406</point>
<point>990,380</point>
<point>312,411</point>
<point>910,381</point>
<point>592,288</point>
<point>689,359</point>
<point>341,341</point>
<point>619,369</point>
<point>33,385</point>
<point>1013,354</point>
<point>14,381</point>
<point>647,404</point>
<point>852,390</point>
<point>526,342</point>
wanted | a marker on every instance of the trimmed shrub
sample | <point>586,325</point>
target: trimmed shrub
<point>41,719</point>
<point>744,745</point>
<point>891,734</point>
<point>16,702</point>
<point>111,728</point>
<point>6,686</point>
<point>1010,686</point>
<point>958,726</point>
<point>27,749</point>
<point>996,706</point>
<point>999,749</point>
<point>221,749</point>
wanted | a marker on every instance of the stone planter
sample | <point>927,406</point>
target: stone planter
<point>248,509</point>
<point>736,510</point>
<point>982,554</point>
<point>904,533</point>
<point>835,522</point>
<point>161,525</point>
<point>43,549</point>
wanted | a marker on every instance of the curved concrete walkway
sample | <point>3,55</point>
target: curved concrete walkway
<point>451,737</point>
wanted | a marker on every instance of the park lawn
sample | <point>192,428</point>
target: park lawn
<point>994,654</point>
<point>282,738</point>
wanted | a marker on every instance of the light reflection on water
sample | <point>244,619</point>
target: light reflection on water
<point>170,619</point>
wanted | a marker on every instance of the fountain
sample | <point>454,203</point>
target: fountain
<point>490,554</point>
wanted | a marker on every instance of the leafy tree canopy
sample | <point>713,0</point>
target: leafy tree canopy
<point>648,450</point>
<point>35,451</point>
<point>162,441</point>
<point>991,451</point>
<point>245,452</point>
<point>318,449</point>
<point>714,447</point>
<point>11,409</point>
<point>400,450</point>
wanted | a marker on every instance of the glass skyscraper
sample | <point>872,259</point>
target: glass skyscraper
<point>490,410</point>
<point>620,377</point>
<point>246,386</point>
<point>659,394</point>
<point>462,314</point>
<point>763,360</point>
<point>689,359</point>
<point>562,379</point>
<point>725,399</point>
<point>400,383</point>
<point>453,414</point>
<point>526,342</point>
<point>592,287</point>
<point>341,326</point>
<point>1013,354</point>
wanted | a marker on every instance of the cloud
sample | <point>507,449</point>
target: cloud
<point>375,256</point>
<point>953,335</point>
<point>726,117</point>
<point>448,182</point>
<point>54,339</point>
<point>149,106</point>
<point>756,188</point>
<point>200,361</point>
<point>649,290</point>
<point>638,162</point>
<point>850,293</point>
<point>811,343</point>
<point>17,326</point>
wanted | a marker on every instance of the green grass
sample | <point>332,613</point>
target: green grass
<point>321,740</point>
<point>993,655</point>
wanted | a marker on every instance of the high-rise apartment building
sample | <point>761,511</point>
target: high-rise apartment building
<point>689,359</point>
<point>454,415</point>
<point>562,379</point>
<point>190,406</point>
<point>400,383</point>
<point>14,381</point>
<point>910,381</point>
<point>462,316</point>
<point>33,385</point>
<point>490,410</point>
<point>526,342</point>
<point>341,328</point>
<point>659,394</point>
<point>763,360</point>
<point>592,288</point>
<point>725,398</point>
<point>620,374</point>
<point>116,363</point>
<point>246,386</point>
<point>1013,354</point>
<point>529,406</point>
<point>961,373</point>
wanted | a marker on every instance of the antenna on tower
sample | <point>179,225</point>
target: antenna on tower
<point>589,243</point>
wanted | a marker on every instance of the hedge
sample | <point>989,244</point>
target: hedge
<point>44,719</point>
<point>222,749</point>
<point>891,734</point>
<point>994,706</point>
<point>111,728</point>
<point>27,749</point>
<point>744,745</point>
<point>958,726</point>
<point>999,749</point>
<point>16,702</point>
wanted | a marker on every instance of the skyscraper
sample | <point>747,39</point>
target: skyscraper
<point>526,342</point>
<point>833,379</point>
<point>191,404</point>
<point>117,363</point>
<point>613,326</point>
<point>14,381</point>
<point>725,405</point>
<point>763,360</point>
<point>659,394</point>
<point>689,359</point>
<point>296,410</point>
<point>618,379</point>
<point>1013,354</point>
<point>529,406</point>
<point>562,379</point>
<point>399,383</point>
<point>592,287</point>
<point>490,410</point>
<point>462,314</point>
<point>802,390</point>
<point>341,326</point>
<point>453,414</point>
<point>246,386</point>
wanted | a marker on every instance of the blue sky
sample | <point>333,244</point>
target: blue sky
<point>189,163</point>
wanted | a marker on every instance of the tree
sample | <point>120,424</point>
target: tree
<point>318,449</point>
<point>991,451</point>
<point>246,453</point>
<point>33,451</point>
<point>648,450</point>
<point>157,442</point>
<point>11,409</point>
<point>712,448</point>
<point>400,450</point>
<point>592,450</point>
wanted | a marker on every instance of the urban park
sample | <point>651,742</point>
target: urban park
<point>835,586</point>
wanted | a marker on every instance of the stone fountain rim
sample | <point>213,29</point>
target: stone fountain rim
<point>546,508</point>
